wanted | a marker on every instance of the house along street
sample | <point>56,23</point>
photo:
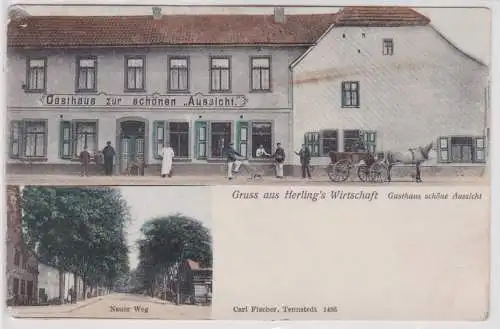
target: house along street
<point>121,306</point>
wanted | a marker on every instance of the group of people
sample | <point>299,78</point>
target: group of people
<point>108,156</point>
<point>234,160</point>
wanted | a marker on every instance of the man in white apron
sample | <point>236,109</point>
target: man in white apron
<point>167,155</point>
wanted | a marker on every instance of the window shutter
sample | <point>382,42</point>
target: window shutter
<point>444,149</point>
<point>65,140</point>
<point>16,138</point>
<point>201,139</point>
<point>242,137</point>
<point>479,149</point>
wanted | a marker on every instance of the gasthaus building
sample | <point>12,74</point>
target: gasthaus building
<point>202,81</point>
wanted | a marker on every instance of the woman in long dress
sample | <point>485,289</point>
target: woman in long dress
<point>167,154</point>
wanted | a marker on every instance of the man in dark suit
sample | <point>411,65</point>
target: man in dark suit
<point>305,159</point>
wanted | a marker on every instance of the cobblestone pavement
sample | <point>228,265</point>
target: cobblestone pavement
<point>220,180</point>
<point>117,306</point>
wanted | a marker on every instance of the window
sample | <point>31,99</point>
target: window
<point>322,143</point>
<point>178,74</point>
<point>262,135</point>
<point>86,74</point>
<point>17,257</point>
<point>261,73</point>
<point>352,140</point>
<point>175,133</point>
<point>179,138</point>
<point>350,94</point>
<point>220,137</point>
<point>23,287</point>
<point>135,73</point>
<point>75,136</point>
<point>36,72</point>
<point>388,47</point>
<point>462,149</point>
<point>220,74</point>
<point>28,139</point>
<point>370,141</point>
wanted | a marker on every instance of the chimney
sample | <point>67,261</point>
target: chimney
<point>157,13</point>
<point>279,15</point>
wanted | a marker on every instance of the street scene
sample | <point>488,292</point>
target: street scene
<point>282,92</point>
<point>103,252</point>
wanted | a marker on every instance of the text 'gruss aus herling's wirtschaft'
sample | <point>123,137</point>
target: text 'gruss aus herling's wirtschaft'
<point>307,195</point>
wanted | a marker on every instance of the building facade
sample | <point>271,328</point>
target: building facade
<point>50,284</point>
<point>22,266</point>
<point>195,282</point>
<point>199,82</point>
<point>397,85</point>
<point>197,92</point>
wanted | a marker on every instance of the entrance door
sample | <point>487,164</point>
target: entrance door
<point>132,143</point>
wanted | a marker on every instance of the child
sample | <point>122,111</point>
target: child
<point>85,160</point>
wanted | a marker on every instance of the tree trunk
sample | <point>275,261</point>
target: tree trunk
<point>75,287</point>
<point>61,286</point>
<point>84,297</point>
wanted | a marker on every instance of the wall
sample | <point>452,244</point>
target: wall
<point>425,90</point>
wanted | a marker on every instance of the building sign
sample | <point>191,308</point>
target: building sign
<point>145,101</point>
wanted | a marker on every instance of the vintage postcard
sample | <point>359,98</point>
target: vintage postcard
<point>211,95</point>
<point>109,252</point>
<point>345,153</point>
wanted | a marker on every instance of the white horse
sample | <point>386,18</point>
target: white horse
<point>413,156</point>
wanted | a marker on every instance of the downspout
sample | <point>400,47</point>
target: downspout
<point>291,117</point>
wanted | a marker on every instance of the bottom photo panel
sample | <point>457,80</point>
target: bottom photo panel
<point>140,252</point>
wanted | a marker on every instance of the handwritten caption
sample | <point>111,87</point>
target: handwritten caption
<point>362,195</point>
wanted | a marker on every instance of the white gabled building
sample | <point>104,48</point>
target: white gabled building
<point>388,74</point>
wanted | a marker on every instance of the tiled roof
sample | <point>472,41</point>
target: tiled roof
<point>83,31</point>
<point>380,16</point>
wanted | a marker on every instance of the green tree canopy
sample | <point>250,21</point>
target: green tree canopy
<point>78,229</point>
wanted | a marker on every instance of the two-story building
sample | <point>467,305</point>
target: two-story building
<point>199,82</point>
<point>386,75</point>
<point>21,266</point>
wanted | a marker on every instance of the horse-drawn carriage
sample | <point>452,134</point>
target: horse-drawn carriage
<point>368,168</point>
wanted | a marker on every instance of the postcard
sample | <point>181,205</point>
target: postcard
<point>322,163</point>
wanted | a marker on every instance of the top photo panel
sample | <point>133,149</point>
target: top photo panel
<point>124,95</point>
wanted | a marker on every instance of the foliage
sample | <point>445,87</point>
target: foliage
<point>166,242</point>
<point>81,230</point>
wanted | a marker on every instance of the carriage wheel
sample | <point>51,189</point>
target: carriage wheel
<point>339,171</point>
<point>378,172</point>
<point>364,173</point>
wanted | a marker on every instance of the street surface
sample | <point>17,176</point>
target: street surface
<point>116,306</point>
<point>220,180</point>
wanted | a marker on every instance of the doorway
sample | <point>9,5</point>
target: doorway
<point>132,143</point>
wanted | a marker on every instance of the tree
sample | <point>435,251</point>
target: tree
<point>168,241</point>
<point>80,230</point>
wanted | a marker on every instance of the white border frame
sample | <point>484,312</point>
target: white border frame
<point>494,315</point>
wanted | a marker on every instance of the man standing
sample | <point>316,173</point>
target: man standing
<point>109,155</point>
<point>232,161</point>
<point>279,158</point>
<point>305,159</point>
<point>167,155</point>
<point>85,160</point>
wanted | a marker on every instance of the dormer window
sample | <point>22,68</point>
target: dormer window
<point>388,47</point>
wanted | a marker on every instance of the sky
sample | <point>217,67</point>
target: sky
<point>468,28</point>
<point>147,202</point>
